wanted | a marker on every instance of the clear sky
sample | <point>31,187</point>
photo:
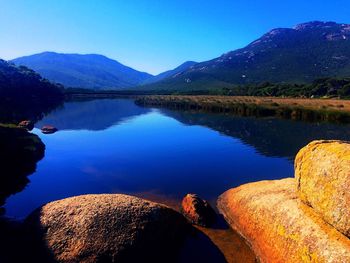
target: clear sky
<point>151,35</point>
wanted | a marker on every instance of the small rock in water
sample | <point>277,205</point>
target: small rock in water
<point>26,124</point>
<point>48,129</point>
<point>198,211</point>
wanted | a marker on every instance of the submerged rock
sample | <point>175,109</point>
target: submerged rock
<point>322,170</point>
<point>48,129</point>
<point>198,211</point>
<point>108,228</point>
<point>280,227</point>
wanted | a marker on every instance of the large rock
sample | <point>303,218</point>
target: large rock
<point>198,211</point>
<point>322,170</point>
<point>108,228</point>
<point>280,227</point>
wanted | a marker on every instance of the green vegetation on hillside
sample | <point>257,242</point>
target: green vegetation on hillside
<point>90,71</point>
<point>284,55</point>
<point>24,94</point>
<point>326,87</point>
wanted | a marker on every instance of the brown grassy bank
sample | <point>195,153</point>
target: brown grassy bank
<point>334,110</point>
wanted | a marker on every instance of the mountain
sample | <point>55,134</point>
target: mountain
<point>185,66</point>
<point>83,71</point>
<point>284,55</point>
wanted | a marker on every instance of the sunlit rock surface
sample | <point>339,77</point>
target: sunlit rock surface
<point>322,170</point>
<point>279,226</point>
<point>108,228</point>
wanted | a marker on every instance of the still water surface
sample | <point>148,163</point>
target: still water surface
<point>115,146</point>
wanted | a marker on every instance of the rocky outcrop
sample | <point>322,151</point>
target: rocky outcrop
<point>108,228</point>
<point>306,219</point>
<point>48,129</point>
<point>198,211</point>
<point>280,227</point>
<point>322,170</point>
<point>29,125</point>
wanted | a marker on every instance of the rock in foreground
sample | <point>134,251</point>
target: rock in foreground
<point>279,226</point>
<point>198,211</point>
<point>108,228</point>
<point>322,170</point>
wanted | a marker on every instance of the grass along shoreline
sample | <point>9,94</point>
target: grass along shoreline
<point>332,110</point>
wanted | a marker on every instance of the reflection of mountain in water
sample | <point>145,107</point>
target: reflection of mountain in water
<point>19,153</point>
<point>270,137</point>
<point>93,114</point>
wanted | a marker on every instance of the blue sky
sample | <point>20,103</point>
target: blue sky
<point>151,35</point>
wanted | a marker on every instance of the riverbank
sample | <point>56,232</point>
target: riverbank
<point>334,110</point>
<point>20,151</point>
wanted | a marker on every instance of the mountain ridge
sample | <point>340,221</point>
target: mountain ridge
<point>301,54</point>
<point>171,72</point>
<point>296,55</point>
<point>92,71</point>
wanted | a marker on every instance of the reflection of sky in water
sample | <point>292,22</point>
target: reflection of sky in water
<point>150,153</point>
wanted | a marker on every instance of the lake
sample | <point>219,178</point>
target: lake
<point>115,146</point>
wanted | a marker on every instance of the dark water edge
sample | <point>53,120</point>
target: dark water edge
<point>15,111</point>
<point>20,151</point>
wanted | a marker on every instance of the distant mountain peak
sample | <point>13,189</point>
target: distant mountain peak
<point>328,27</point>
<point>92,71</point>
<point>300,54</point>
<point>315,24</point>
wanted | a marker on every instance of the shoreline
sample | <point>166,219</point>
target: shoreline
<point>332,110</point>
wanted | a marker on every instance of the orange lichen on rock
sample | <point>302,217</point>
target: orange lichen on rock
<point>322,171</point>
<point>279,226</point>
